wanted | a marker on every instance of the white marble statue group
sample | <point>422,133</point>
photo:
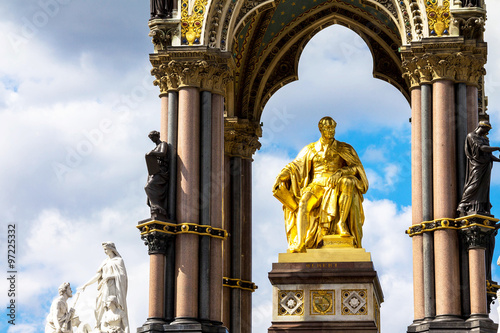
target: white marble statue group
<point>111,304</point>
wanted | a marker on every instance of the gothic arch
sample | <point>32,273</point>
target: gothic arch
<point>267,39</point>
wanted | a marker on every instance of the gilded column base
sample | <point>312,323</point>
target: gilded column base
<point>323,296</point>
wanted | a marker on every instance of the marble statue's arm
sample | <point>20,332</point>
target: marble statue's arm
<point>91,281</point>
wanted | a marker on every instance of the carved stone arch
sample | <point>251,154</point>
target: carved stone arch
<point>265,65</point>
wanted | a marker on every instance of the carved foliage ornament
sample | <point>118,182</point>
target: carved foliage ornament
<point>175,74</point>
<point>471,28</point>
<point>477,237</point>
<point>162,36</point>
<point>241,137</point>
<point>459,67</point>
<point>156,242</point>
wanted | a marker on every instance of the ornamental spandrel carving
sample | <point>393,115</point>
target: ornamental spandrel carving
<point>390,6</point>
<point>241,137</point>
<point>204,74</point>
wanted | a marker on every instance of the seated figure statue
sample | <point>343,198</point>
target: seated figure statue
<point>322,192</point>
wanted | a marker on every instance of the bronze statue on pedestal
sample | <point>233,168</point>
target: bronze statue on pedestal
<point>322,192</point>
<point>476,192</point>
<point>161,9</point>
<point>157,185</point>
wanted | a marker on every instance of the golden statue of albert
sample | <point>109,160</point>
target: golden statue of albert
<point>322,192</point>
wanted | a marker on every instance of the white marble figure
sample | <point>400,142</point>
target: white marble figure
<point>111,278</point>
<point>114,319</point>
<point>59,318</point>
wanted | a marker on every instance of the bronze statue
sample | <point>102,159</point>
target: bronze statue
<point>322,192</point>
<point>476,192</point>
<point>161,9</point>
<point>157,184</point>
<point>470,3</point>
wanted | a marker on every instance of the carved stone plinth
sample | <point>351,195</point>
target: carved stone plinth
<point>318,296</point>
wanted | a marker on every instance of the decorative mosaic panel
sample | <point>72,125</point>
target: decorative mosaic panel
<point>354,302</point>
<point>291,302</point>
<point>322,302</point>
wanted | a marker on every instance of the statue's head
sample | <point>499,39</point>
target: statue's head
<point>154,134</point>
<point>110,247</point>
<point>112,300</point>
<point>484,123</point>
<point>65,288</point>
<point>483,127</point>
<point>327,126</point>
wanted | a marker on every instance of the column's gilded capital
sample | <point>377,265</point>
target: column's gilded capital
<point>241,137</point>
<point>207,70</point>
<point>458,63</point>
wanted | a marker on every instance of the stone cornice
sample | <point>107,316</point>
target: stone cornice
<point>458,62</point>
<point>191,67</point>
<point>241,137</point>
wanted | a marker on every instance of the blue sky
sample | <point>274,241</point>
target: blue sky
<point>77,102</point>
